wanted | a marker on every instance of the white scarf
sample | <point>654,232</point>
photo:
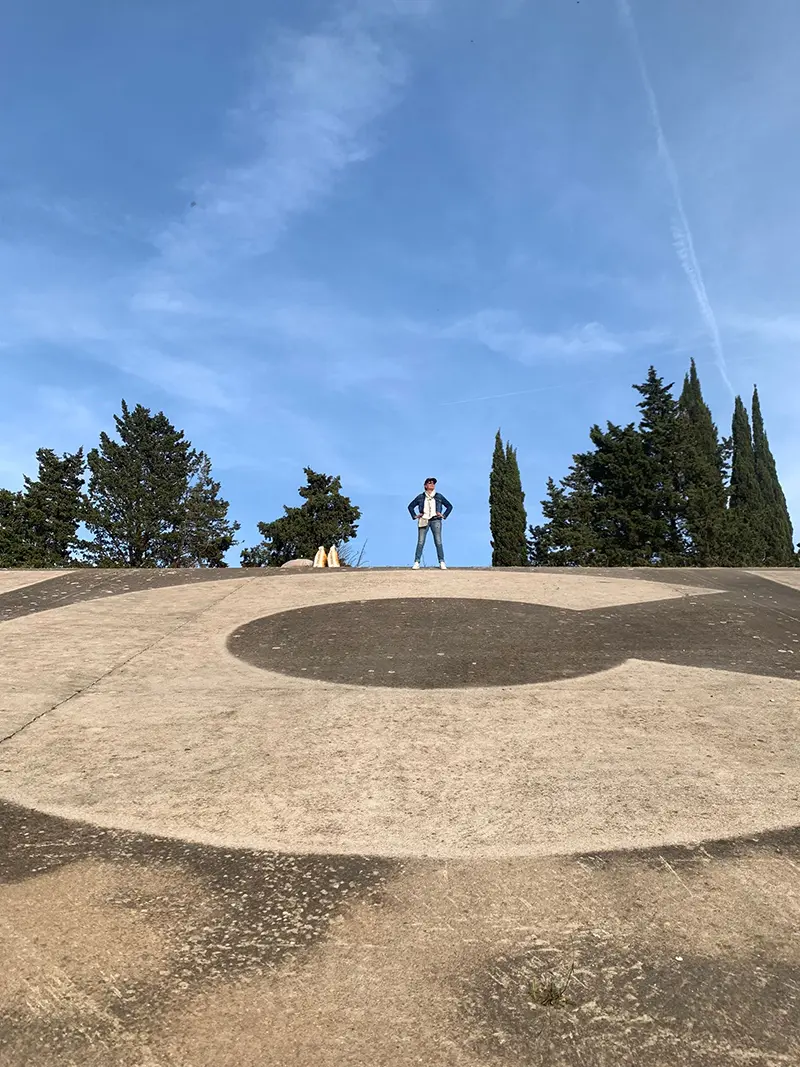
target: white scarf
<point>429,509</point>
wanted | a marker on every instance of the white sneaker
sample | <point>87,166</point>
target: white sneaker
<point>415,567</point>
<point>443,566</point>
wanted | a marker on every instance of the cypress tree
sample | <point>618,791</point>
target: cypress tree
<point>507,519</point>
<point>746,513</point>
<point>777,532</point>
<point>517,519</point>
<point>496,494</point>
<point>662,439</point>
<point>703,470</point>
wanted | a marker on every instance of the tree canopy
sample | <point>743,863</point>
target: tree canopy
<point>326,517</point>
<point>151,500</point>
<point>667,492</point>
<point>39,524</point>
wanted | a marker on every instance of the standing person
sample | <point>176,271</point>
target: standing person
<point>429,509</point>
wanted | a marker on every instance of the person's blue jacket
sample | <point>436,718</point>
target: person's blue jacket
<point>443,505</point>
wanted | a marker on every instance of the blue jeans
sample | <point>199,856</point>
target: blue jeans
<point>435,526</point>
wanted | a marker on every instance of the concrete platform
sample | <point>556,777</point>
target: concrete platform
<point>362,817</point>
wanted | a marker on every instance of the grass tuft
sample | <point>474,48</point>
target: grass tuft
<point>551,991</point>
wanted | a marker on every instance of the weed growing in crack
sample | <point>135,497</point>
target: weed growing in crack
<point>551,991</point>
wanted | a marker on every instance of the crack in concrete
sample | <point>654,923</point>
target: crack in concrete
<point>124,663</point>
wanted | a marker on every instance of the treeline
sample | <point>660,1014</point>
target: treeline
<point>147,498</point>
<point>666,490</point>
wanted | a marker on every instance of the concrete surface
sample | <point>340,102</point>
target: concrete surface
<point>786,577</point>
<point>21,579</point>
<point>219,850</point>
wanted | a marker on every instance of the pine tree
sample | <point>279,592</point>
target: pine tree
<point>548,541</point>
<point>703,471</point>
<point>658,493</point>
<point>141,495</point>
<point>604,513</point>
<point>12,541</point>
<point>38,526</point>
<point>52,508</point>
<point>778,534</point>
<point>631,529</point>
<point>507,518</point>
<point>623,502</point>
<point>568,537</point>
<point>325,517</point>
<point>204,534</point>
<point>746,513</point>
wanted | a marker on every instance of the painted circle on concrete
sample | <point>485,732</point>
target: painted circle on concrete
<point>463,642</point>
<point>130,712</point>
<point>422,643</point>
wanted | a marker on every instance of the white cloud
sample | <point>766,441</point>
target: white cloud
<point>185,378</point>
<point>312,102</point>
<point>307,118</point>
<point>504,333</point>
<point>98,327</point>
<point>775,328</point>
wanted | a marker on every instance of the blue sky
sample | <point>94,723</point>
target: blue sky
<point>415,222</point>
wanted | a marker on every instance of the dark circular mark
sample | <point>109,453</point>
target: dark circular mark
<point>613,990</point>
<point>420,643</point>
<point>439,643</point>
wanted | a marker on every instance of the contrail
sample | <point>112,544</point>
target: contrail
<point>681,231</point>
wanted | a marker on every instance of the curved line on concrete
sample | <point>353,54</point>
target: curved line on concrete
<point>776,839</point>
